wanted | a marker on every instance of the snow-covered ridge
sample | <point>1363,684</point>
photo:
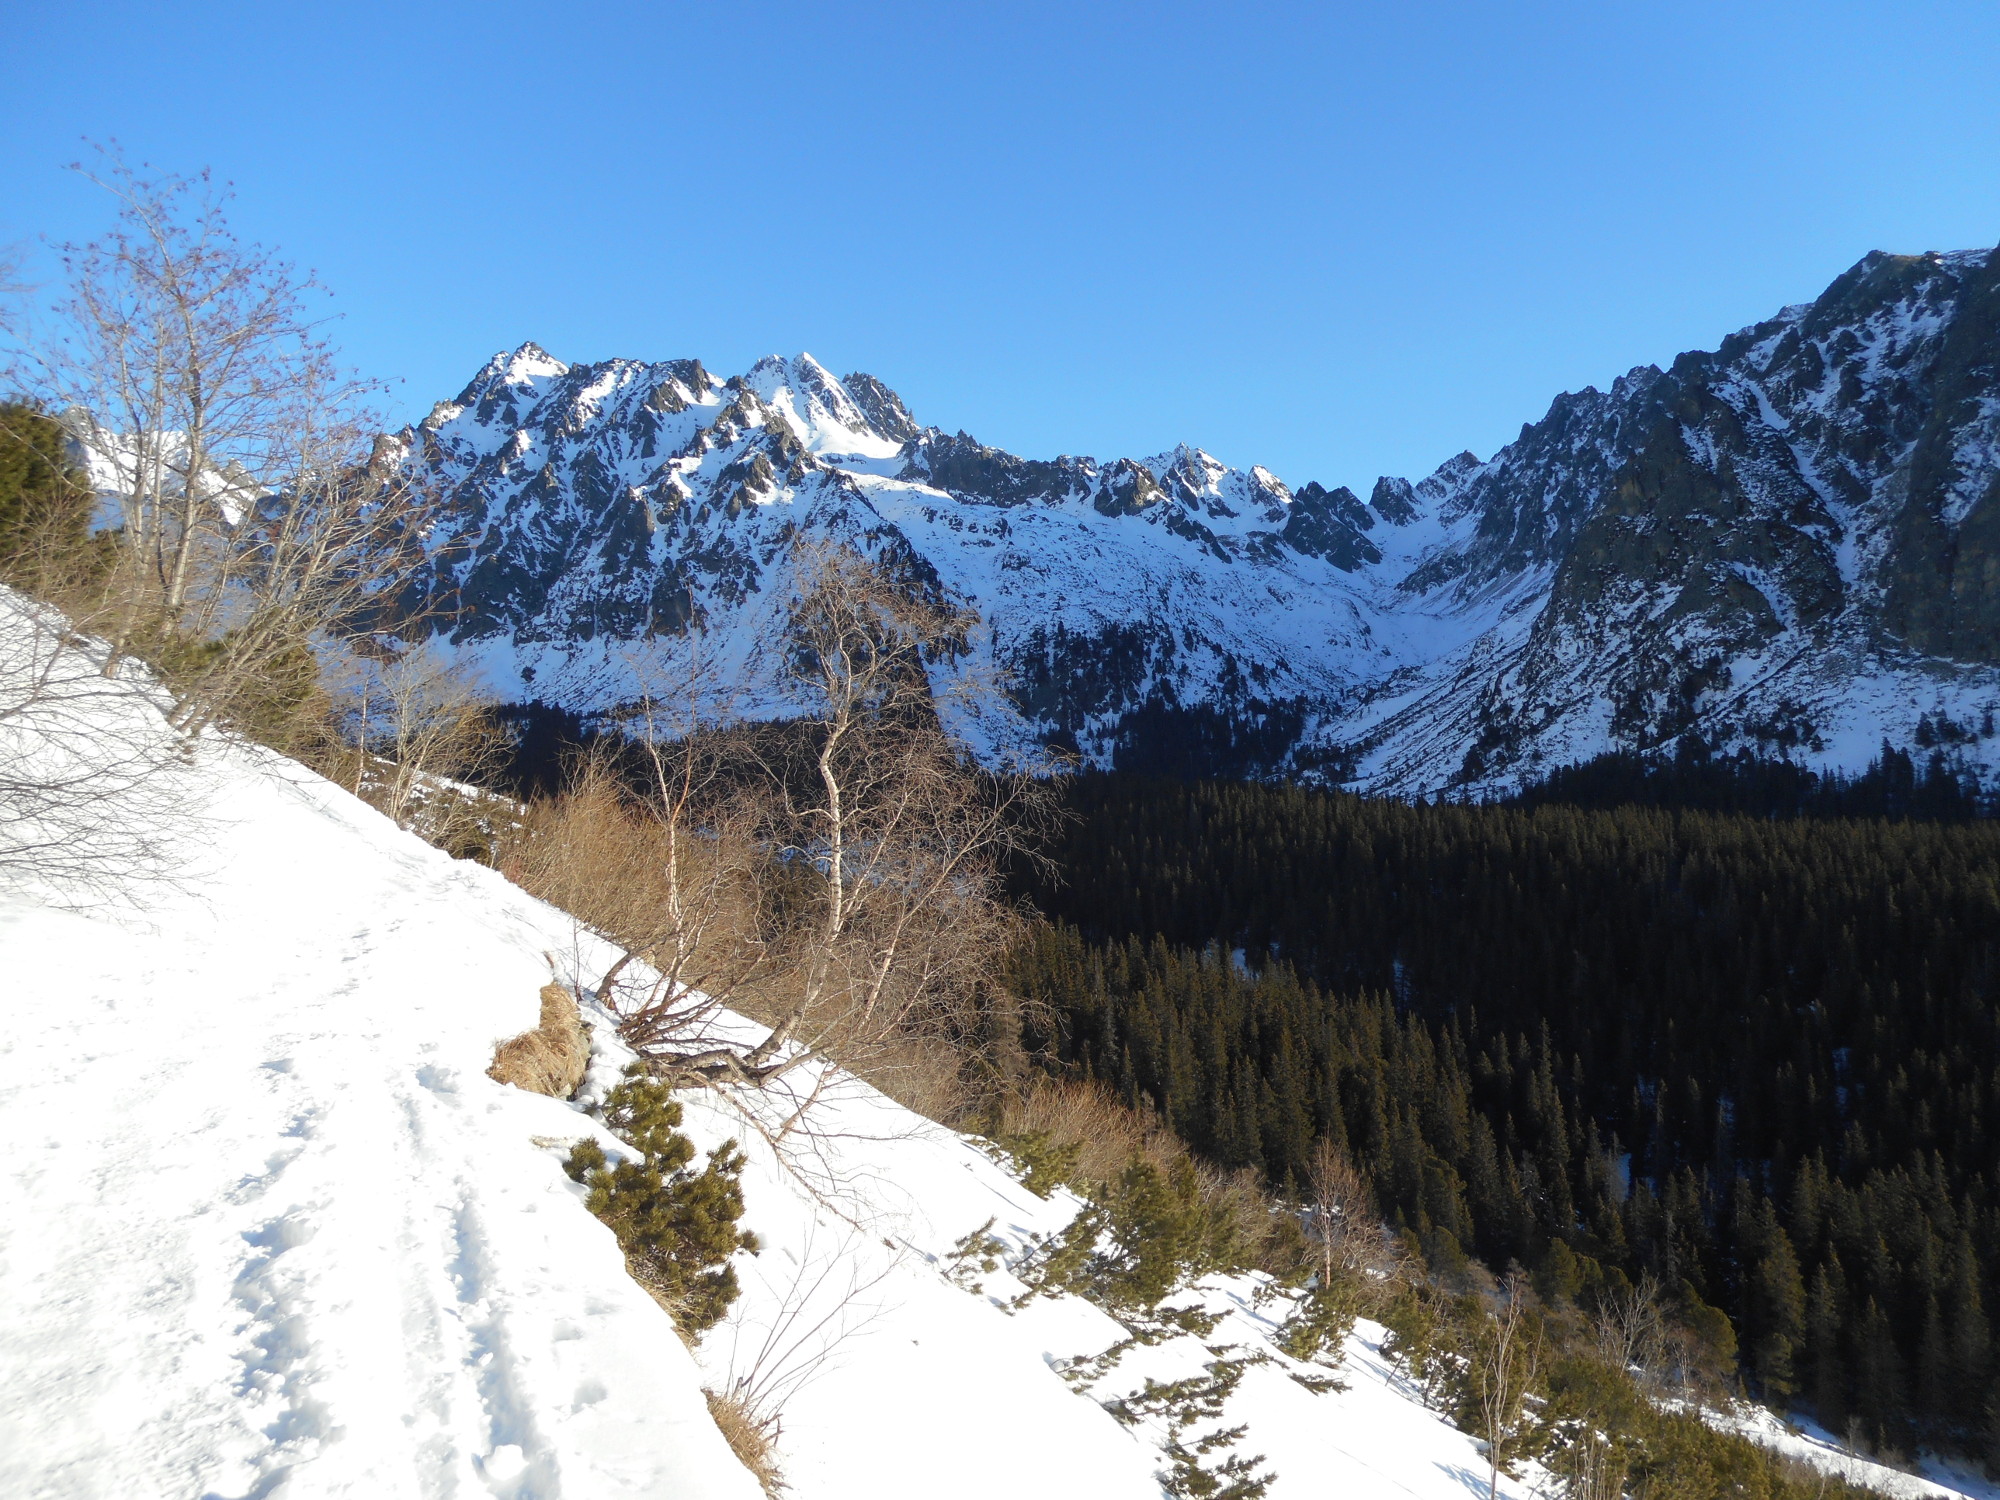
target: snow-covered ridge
<point>1779,545</point>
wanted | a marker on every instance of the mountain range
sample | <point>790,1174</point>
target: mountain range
<point>1789,544</point>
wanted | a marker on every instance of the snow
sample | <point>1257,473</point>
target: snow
<point>1810,1444</point>
<point>273,1232</point>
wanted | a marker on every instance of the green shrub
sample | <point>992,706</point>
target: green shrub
<point>1194,1473</point>
<point>676,1226</point>
<point>1139,1240</point>
<point>1319,1326</point>
<point>976,1254</point>
<point>1046,1163</point>
<point>44,501</point>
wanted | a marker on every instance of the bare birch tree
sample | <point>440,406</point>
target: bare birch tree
<point>1503,1369</point>
<point>414,728</point>
<point>1351,1241</point>
<point>862,842</point>
<point>235,459</point>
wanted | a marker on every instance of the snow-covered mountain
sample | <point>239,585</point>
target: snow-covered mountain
<point>1791,543</point>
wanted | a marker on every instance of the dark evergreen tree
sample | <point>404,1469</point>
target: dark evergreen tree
<point>676,1226</point>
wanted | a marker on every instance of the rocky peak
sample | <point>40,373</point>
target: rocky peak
<point>1332,524</point>
<point>1785,543</point>
<point>887,416</point>
<point>821,411</point>
<point>1394,500</point>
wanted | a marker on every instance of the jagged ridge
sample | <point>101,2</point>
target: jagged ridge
<point>1791,543</point>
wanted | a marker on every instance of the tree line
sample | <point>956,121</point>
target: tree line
<point>1932,784</point>
<point>1756,1059</point>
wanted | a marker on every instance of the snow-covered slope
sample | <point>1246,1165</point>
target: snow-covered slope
<point>271,1230</point>
<point>1782,544</point>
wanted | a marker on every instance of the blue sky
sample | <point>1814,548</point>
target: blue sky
<point>1337,240</point>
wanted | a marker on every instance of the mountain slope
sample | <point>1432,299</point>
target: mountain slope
<point>1791,544</point>
<point>272,1231</point>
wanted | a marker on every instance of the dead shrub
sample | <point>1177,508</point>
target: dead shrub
<point>754,1442</point>
<point>1082,1134</point>
<point>924,1076</point>
<point>550,1059</point>
<point>1104,1132</point>
<point>1351,1246</point>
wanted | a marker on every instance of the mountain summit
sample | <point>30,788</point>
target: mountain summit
<point>1791,544</point>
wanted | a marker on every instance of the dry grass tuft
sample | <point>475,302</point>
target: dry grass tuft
<point>1106,1132</point>
<point>1106,1135</point>
<point>550,1059</point>
<point>754,1442</point>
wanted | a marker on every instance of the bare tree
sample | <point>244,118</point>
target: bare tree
<point>92,785</point>
<point>1503,1370</point>
<point>237,459</point>
<point>414,727</point>
<point>859,851</point>
<point>93,795</point>
<point>1631,1327</point>
<point>1351,1241</point>
<point>236,519</point>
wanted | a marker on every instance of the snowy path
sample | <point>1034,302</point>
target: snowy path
<point>271,1231</point>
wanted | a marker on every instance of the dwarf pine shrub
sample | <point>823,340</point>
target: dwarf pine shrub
<point>1162,1235</point>
<point>1137,1240</point>
<point>1045,1163</point>
<point>1317,1329</point>
<point>977,1254</point>
<point>1201,1463</point>
<point>676,1226</point>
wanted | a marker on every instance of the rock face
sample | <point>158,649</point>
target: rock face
<point>1791,543</point>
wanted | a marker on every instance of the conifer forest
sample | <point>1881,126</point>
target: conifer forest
<point>1755,1056</point>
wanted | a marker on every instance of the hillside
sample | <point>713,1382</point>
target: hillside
<point>273,1231</point>
<point>1783,545</point>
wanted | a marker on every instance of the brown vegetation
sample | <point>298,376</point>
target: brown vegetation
<point>836,878</point>
<point>1080,1134</point>
<point>552,1058</point>
<point>1352,1247</point>
<point>754,1442</point>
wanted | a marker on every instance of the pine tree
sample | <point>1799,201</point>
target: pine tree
<point>1774,1312</point>
<point>44,505</point>
<point>678,1228</point>
<point>1826,1371</point>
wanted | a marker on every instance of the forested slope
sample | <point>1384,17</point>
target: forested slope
<point>1781,1034</point>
